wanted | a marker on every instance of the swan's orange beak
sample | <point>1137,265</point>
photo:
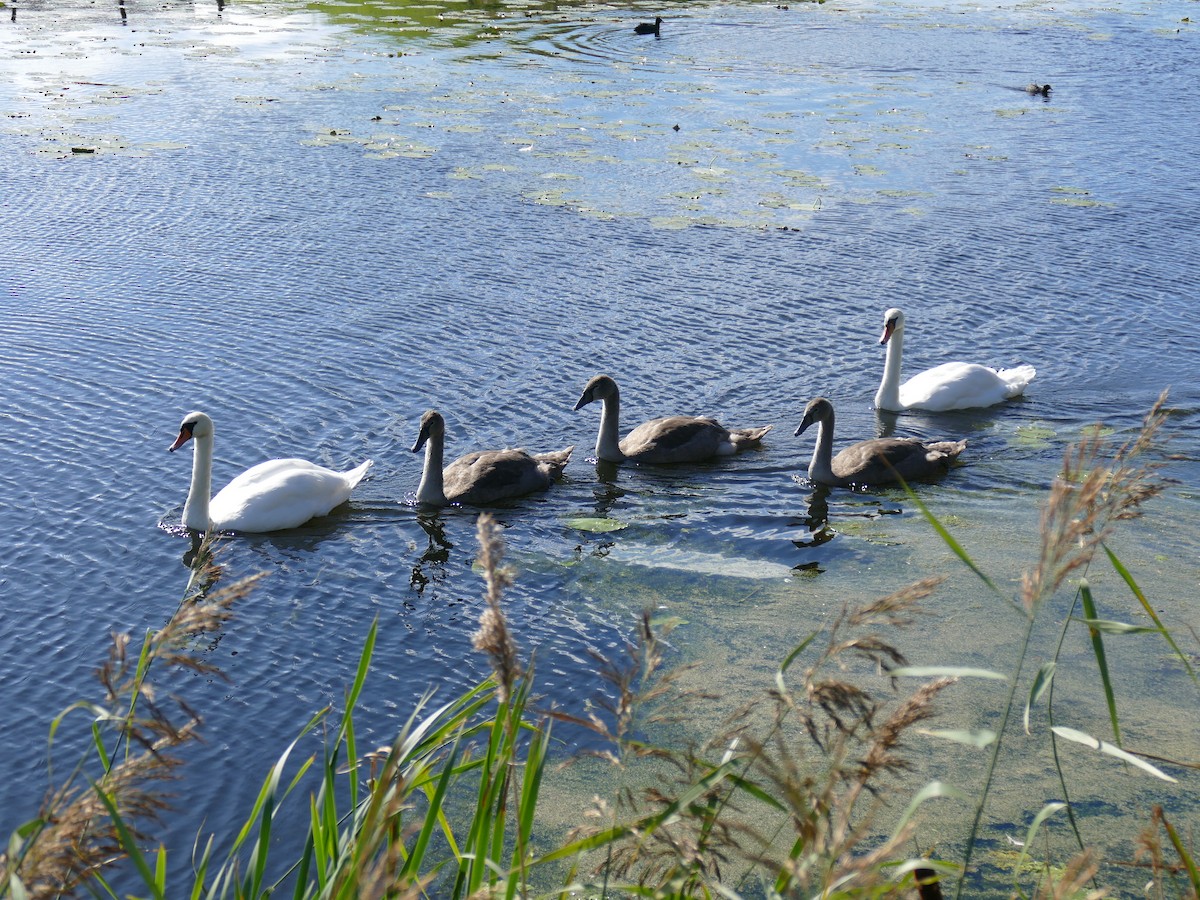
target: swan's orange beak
<point>888,327</point>
<point>185,435</point>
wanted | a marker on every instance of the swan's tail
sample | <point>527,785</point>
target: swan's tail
<point>744,438</point>
<point>944,452</point>
<point>554,461</point>
<point>355,475</point>
<point>1016,380</point>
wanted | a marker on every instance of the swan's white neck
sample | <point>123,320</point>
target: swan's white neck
<point>820,469</point>
<point>608,444</point>
<point>432,490</point>
<point>195,510</point>
<point>888,395</point>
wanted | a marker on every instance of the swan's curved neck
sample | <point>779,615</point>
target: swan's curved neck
<point>608,444</point>
<point>432,490</point>
<point>195,510</point>
<point>888,395</point>
<point>820,469</point>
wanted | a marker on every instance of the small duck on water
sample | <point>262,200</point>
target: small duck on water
<point>652,28</point>
<point>1035,88</point>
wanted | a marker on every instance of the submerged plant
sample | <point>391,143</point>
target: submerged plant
<point>781,802</point>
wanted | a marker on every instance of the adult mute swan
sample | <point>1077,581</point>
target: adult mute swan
<point>272,496</point>
<point>877,461</point>
<point>484,476</point>
<point>952,385</point>
<point>673,439</point>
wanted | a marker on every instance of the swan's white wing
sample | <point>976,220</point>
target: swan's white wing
<point>954,385</point>
<point>278,494</point>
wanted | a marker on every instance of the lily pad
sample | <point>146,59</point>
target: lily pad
<point>1033,435</point>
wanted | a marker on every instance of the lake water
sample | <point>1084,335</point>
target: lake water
<point>315,222</point>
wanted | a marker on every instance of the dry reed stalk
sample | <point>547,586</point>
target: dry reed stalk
<point>493,636</point>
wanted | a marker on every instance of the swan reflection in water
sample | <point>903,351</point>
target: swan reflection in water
<point>817,519</point>
<point>431,567</point>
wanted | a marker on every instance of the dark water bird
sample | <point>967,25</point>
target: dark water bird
<point>649,28</point>
<point>672,439</point>
<point>875,461</point>
<point>271,496</point>
<point>952,385</point>
<point>484,476</point>
<point>1035,88</point>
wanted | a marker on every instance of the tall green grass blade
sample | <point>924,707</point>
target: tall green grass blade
<point>416,856</point>
<point>129,843</point>
<point>932,791</point>
<point>956,548</point>
<point>791,657</point>
<point>160,871</point>
<point>535,762</point>
<point>271,784</point>
<point>262,848</point>
<point>360,677</point>
<point>201,869</point>
<point>1030,834</point>
<point>1188,861</point>
<point>1137,592</point>
<point>487,805</point>
<point>1087,740</point>
<point>98,743</point>
<point>994,756</point>
<point>1041,683</point>
<point>1089,610</point>
<point>1108,626</point>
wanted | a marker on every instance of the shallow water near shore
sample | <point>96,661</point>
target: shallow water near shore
<point>315,222</point>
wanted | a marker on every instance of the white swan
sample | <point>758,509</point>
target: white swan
<point>952,385</point>
<point>876,461</point>
<point>272,496</point>
<point>484,476</point>
<point>673,439</point>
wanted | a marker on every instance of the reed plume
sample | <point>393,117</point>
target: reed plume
<point>493,636</point>
<point>1090,495</point>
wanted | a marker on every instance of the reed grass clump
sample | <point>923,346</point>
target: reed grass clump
<point>115,790</point>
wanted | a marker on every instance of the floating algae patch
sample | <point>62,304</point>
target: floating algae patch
<point>904,195</point>
<point>1069,196</point>
<point>1034,435</point>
